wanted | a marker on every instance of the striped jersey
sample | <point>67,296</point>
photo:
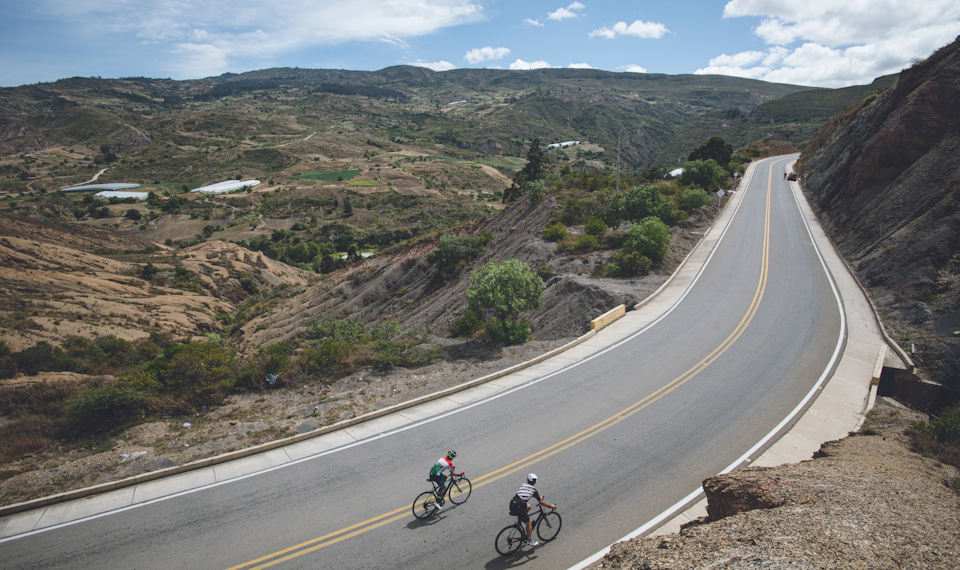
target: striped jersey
<point>526,491</point>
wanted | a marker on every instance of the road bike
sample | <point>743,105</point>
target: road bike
<point>511,538</point>
<point>428,502</point>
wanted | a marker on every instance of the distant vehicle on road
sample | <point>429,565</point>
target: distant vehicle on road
<point>792,176</point>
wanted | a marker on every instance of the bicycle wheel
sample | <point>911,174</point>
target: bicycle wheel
<point>425,505</point>
<point>460,491</point>
<point>548,527</point>
<point>509,539</point>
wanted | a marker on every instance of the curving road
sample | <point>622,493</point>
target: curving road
<point>616,439</point>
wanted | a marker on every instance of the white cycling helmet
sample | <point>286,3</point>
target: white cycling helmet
<point>532,478</point>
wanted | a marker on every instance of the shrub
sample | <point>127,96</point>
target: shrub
<point>273,359</point>
<point>611,270</point>
<point>545,271</point>
<point>615,240</point>
<point>649,237</point>
<point>595,227</point>
<point>555,232</point>
<point>631,263</point>
<point>340,330</point>
<point>508,331</point>
<point>585,243</point>
<point>453,250</point>
<point>693,198</point>
<point>466,326</point>
<point>105,407</point>
<point>386,331</point>
<point>939,438</point>
<point>197,371</point>
<point>328,358</point>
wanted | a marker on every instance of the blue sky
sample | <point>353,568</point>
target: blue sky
<point>830,43</point>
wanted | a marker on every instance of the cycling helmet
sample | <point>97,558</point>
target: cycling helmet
<point>451,454</point>
<point>532,478</point>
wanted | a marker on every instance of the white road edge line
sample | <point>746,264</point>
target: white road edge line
<point>671,511</point>
<point>400,429</point>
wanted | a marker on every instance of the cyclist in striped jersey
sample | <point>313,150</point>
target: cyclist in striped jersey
<point>519,506</point>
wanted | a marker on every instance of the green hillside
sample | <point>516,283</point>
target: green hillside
<point>795,117</point>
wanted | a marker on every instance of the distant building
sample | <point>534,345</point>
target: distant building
<point>675,172</point>
<point>119,194</point>
<point>226,186</point>
<point>113,186</point>
<point>564,144</point>
<point>456,103</point>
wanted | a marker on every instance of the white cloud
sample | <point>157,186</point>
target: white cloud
<point>566,13</point>
<point>435,65</point>
<point>536,23</point>
<point>639,29</point>
<point>581,66</point>
<point>235,32</point>
<point>478,55</point>
<point>837,24</point>
<point>632,68</point>
<point>840,43</point>
<point>523,65</point>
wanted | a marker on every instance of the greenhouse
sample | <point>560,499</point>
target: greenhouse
<point>120,194</point>
<point>113,186</point>
<point>226,186</point>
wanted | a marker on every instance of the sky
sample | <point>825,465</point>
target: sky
<point>825,43</point>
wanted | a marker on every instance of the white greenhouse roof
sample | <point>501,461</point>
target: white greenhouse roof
<point>675,172</point>
<point>113,186</point>
<point>226,186</point>
<point>119,194</point>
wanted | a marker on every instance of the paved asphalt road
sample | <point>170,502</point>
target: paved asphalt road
<point>615,439</point>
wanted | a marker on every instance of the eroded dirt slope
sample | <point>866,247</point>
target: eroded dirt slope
<point>62,280</point>
<point>400,283</point>
<point>884,177</point>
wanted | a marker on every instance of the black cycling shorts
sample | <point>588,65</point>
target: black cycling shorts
<point>519,510</point>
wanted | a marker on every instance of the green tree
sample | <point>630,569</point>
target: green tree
<point>649,237</point>
<point>706,174</point>
<point>532,171</point>
<point>644,201</point>
<point>507,288</point>
<point>715,149</point>
<point>537,191</point>
<point>693,198</point>
<point>616,211</point>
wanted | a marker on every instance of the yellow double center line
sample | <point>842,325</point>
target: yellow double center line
<point>523,464</point>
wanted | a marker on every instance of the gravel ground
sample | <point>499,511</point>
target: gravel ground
<point>864,502</point>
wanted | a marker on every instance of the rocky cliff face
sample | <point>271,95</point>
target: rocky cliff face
<point>885,179</point>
